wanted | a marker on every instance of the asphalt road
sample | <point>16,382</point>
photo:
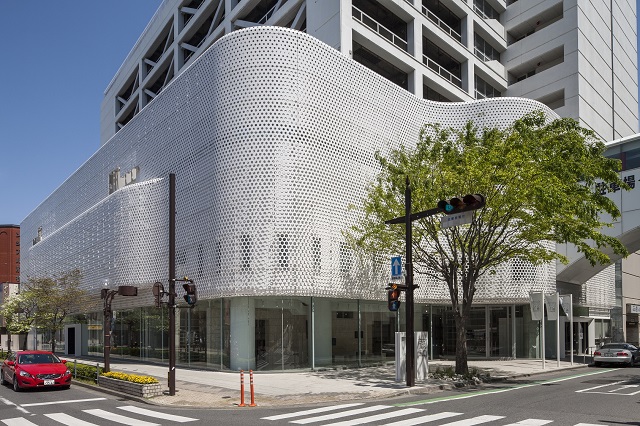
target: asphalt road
<point>80,406</point>
<point>594,396</point>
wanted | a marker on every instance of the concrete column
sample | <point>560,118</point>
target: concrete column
<point>468,74</point>
<point>243,333</point>
<point>415,49</point>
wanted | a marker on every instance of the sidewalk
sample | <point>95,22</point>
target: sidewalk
<point>211,389</point>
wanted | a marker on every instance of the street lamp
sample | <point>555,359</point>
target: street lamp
<point>107,295</point>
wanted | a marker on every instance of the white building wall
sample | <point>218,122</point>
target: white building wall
<point>272,135</point>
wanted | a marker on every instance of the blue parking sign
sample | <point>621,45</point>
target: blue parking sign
<point>396,267</point>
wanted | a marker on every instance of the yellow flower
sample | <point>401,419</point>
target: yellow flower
<point>144,380</point>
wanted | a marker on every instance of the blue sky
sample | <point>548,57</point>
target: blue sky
<point>58,57</point>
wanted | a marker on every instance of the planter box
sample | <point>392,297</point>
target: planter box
<point>130,388</point>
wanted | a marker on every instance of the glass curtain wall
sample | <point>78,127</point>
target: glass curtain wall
<point>275,333</point>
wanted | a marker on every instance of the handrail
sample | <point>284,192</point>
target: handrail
<point>447,75</point>
<point>441,24</point>
<point>267,15</point>
<point>368,21</point>
<point>481,55</point>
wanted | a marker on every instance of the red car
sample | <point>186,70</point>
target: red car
<point>35,369</point>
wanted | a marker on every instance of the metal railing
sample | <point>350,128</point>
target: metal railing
<point>441,24</point>
<point>447,75</point>
<point>375,26</point>
<point>481,55</point>
<point>268,15</point>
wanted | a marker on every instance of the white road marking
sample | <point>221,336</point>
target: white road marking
<point>67,401</point>
<point>424,419</point>
<point>474,421</point>
<point>309,412</point>
<point>68,420</point>
<point>377,417</point>
<point>118,418</point>
<point>531,422</point>
<point>589,424</point>
<point>157,414</point>
<point>341,414</point>
<point>601,386</point>
<point>18,421</point>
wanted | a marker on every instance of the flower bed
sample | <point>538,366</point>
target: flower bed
<point>131,384</point>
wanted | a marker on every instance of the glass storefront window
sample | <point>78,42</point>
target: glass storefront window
<point>378,328</point>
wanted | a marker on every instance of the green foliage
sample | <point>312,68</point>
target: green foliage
<point>19,313</point>
<point>539,179</point>
<point>45,302</point>
<point>85,372</point>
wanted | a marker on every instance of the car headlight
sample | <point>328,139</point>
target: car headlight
<point>66,373</point>
<point>24,373</point>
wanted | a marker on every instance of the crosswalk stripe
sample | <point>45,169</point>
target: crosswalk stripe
<point>378,417</point>
<point>589,424</point>
<point>157,414</point>
<point>424,419</point>
<point>118,418</point>
<point>341,414</point>
<point>530,422</point>
<point>474,421</point>
<point>18,421</point>
<point>68,420</point>
<point>313,411</point>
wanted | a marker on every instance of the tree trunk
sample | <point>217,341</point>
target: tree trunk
<point>53,345</point>
<point>24,341</point>
<point>461,345</point>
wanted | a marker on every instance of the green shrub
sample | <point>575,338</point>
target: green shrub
<point>84,371</point>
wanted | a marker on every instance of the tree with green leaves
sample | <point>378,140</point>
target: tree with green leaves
<point>539,178</point>
<point>19,314</point>
<point>46,302</point>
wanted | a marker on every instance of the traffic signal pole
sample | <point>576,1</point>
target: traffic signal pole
<point>410,355</point>
<point>172,284</point>
<point>455,205</point>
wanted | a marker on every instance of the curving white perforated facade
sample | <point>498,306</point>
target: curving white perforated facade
<point>271,135</point>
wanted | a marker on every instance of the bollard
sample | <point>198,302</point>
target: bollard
<point>242,404</point>
<point>253,404</point>
<point>75,368</point>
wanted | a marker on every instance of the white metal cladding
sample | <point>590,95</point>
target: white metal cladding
<point>271,135</point>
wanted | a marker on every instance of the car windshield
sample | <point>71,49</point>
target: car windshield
<point>38,359</point>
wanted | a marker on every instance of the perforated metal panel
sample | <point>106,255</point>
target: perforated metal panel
<point>271,135</point>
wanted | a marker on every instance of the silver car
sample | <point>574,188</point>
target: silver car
<point>616,353</point>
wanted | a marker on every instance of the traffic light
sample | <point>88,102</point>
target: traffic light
<point>394,298</point>
<point>192,295</point>
<point>459,205</point>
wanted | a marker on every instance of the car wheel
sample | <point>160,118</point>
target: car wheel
<point>16,386</point>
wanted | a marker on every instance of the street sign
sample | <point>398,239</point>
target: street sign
<point>396,267</point>
<point>456,219</point>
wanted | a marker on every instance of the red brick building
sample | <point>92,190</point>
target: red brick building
<point>9,254</point>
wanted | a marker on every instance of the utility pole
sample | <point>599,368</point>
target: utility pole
<point>172,284</point>
<point>410,355</point>
<point>407,219</point>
